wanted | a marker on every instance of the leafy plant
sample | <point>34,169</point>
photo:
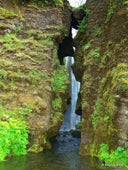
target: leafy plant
<point>13,131</point>
<point>96,53</point>
<point>116,157</point>
<point>13,138</point>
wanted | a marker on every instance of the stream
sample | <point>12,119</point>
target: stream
<point>63,156</point>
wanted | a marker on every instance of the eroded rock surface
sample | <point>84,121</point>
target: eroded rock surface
<point>30,74</point>
<point>102,67</point>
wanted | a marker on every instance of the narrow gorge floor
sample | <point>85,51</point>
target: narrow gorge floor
<point>63,156</point>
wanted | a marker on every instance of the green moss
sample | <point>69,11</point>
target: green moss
<point>98,31</point>
<point>56,104</point>
<point>78,126</point>
<point>4,13</point>
<point>59,84</point>
<point>33,76</point>
<point>111,10</point>
<point>49,1</point>
<point>11,42</point>
<point>87,46</point>
<point>115,80</point>
<point>95,53</point>
<point>112,85</point>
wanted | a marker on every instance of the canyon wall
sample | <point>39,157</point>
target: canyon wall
<point>102,68</point>
<point>33,84</point>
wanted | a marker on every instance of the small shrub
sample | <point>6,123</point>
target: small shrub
<point>13,138</point>
<point>117,157</point>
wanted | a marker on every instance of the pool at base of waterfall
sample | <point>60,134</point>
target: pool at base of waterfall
<point>64,155</point>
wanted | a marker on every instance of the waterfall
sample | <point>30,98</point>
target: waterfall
<point>70,118</point>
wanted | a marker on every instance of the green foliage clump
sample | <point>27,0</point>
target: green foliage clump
<point>13,131</point>
<point>13,138</point>
<point>59,79</point>
<point>83,24</point>
<point>116,157</point>
<point>96,53</point>
<point>57,104</point>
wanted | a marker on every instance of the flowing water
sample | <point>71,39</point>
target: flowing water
<point>70,118</point>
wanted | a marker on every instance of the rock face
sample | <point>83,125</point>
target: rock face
<point>102,67</point>
<point>30,74</point>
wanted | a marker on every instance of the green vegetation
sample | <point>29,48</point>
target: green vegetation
<point>13,131</point>
<point>56,104</point>
<point>98,31</point>
<point>33,76</point>
<point>83,24</point>
<point>78,126</point>
<point>59,79</point>
<point>105,103</point>
<point>4,13</point>
<point>87,46</point>
<point>49,1</point>
<point>11,42</point>
<point>126,2</point>
<point>60,87</point>
<point>111,10</point>
<point>117,157</point>
<point>96,53</point>
<point>112,86</point>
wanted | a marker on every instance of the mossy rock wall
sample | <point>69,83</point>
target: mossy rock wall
<point>102,67</point>
<point>29,37</point>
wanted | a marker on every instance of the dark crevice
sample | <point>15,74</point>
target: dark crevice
<point>78,110</point>
<point>66,47</point>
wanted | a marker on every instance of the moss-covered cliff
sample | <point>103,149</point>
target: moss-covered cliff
<point>33,85</point>
<point>102,67</point>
